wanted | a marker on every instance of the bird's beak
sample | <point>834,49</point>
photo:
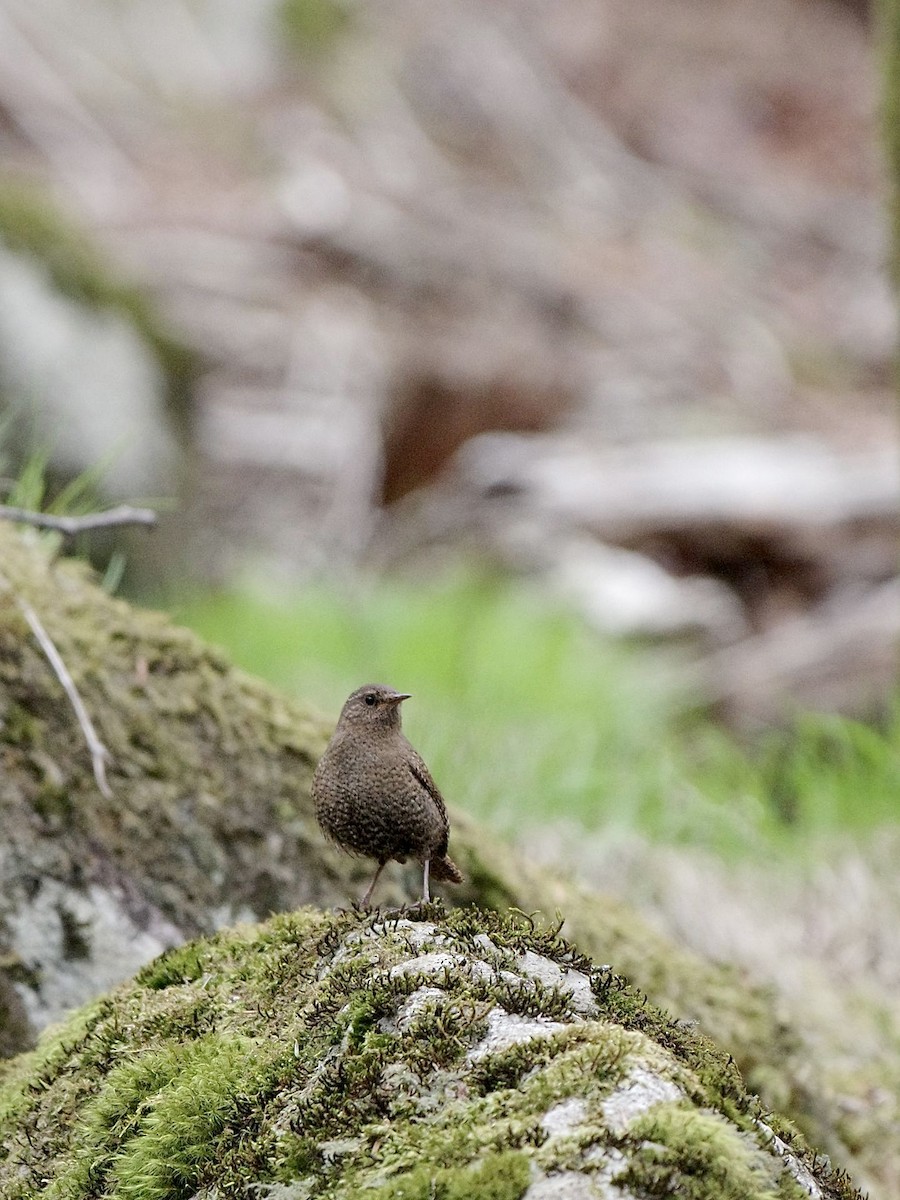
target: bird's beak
<point>398,696</point>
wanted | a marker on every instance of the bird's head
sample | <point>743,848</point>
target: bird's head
<point>373,706</point>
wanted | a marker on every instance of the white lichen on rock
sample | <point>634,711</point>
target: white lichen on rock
<point>574,1185</point>
<point>640,1090</point>
<point>576,983</point>
<point>92,931</point>
<point>435,963</point>
<point>801,1174</point>
<point>564,1117</point>
<point>413,1008</point>
<point>507,1029</point>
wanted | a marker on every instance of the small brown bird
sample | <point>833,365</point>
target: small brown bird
<point>374,795</point>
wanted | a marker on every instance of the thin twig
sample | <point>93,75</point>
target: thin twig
<point>123,515</point>
<point>99,753</point>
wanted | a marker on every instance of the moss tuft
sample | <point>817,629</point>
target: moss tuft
<point>180,965</point>
<point>694,1154</point>
<point>496,1177</point>
<point>172,1115</point>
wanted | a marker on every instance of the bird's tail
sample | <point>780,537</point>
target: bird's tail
<point>445,868</point>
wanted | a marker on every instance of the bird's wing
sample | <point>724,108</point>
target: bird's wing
<point>423,776</point>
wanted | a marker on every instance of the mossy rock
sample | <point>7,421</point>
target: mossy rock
<point>417,1055</point>
<point>210,822</point>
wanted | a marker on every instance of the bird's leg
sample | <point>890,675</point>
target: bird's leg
<point>364,902</point>
<point>426,895</point>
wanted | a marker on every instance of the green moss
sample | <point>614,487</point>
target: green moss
<point>178,966</point>
<point>696,1155</point>
<point>162,1121</point>
<point>496,1177</point>
<point>21,727</point>
<point>31,224</point>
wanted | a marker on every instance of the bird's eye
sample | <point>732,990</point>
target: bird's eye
<point>370,698</point>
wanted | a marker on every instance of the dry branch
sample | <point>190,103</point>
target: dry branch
<point>99,753</point>
<point>70,525</point>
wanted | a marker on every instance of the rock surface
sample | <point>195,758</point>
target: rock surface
<point>411,1055</point>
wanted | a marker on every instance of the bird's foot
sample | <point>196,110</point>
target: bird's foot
<point>424,909</point>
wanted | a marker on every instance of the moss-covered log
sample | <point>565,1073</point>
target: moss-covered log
<point>414,1057</point>
<point>210,822</point>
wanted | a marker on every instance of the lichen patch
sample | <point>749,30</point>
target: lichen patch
<point>415,1005</point>
<point>564,1117</point>
<point>640,1091</point>
<point>575,983</point>
<point>418,933</point>
<point>434,963</point>
<point>573,1185</point>
<point>508,1029</point>
<point>800,1173</point>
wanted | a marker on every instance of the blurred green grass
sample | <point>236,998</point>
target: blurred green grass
<point>528,718</point>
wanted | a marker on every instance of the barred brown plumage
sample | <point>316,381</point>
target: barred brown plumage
<point>375,796</point>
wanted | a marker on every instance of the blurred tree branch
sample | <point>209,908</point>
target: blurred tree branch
<point>71,525</point>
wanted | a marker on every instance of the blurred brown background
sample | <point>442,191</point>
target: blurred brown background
<point>596,291</point>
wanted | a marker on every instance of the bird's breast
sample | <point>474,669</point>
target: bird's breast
<point>369,801</point>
